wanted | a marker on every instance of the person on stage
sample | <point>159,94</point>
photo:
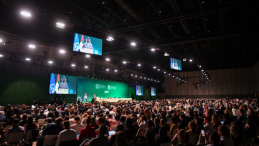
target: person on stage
<point>85,97</point>
<point>63,84</point>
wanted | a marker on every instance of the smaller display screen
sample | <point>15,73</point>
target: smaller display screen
<point>175,64</point>
<point>153,91</point>
<point>139,90</point>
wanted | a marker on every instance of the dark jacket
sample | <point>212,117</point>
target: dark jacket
<point>131,133</point>
<point>52,129</point>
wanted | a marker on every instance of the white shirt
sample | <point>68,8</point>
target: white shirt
<point>77,127</point>
<point>208,129</point>
<point>66,135</point>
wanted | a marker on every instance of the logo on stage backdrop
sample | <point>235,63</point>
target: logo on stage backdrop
<point>109,87</point>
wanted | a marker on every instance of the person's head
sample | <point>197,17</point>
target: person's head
<point>157,121</point>
<point>162,123</point>
<point>66,124</point>
<point>88,121</point>
<point>24,116</point>
<point>214,139</point>
<point>30,119</point>
<point>59,120</point>
<point>122,119</point>
<point>120,127</point>
<point>9,107</point>
<point>234,130</point>
<point>77,119</point>
<point>241,112</point>
<point>93,121</point>
<point>163,131</point>
<point>121,139</point>
<point>129,122</point>
<point>192,127</point>
<point>182,117</point>
<point>150,124</point>
<point>101,121</point>
<point>88,40</point>
<point>118,111</point>
<point>109,116</point>
<point>102,130</point>
<point>183,136</point>
<point>15,121</point>
<point>49,120</point>
<point>206,120</point>
<point>223,131</point>
<point>63,79</point>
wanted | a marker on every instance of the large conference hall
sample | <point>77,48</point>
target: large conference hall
<point>129,72</point>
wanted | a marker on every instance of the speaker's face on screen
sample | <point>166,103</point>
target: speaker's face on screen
<point>63,79</point>
<point>88,40</point>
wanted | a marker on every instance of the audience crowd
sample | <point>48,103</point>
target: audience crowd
<point>176,122</point>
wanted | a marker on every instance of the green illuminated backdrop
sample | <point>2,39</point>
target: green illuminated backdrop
<point>101,89</point>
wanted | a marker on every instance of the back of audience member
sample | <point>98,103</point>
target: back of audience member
<point>131,131</point>
<point>112,140</point>
<point>15,128</point>
<point>24,119</point>
<point>67,134</point>
<point>235,132</point>
<point>121,139</point>
<point>77,126</point>
<point>224,136</point>
<point>101,139</point>
<point>53,128</point>
<point>88,131</point>
<point>163,138</point>
<point>41,116</point>
<point>30,126</point>
<point>156,127</point>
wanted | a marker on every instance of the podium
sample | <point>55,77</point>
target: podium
<point>63,91</point>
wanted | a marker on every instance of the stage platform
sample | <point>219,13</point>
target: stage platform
<point>113,99</point>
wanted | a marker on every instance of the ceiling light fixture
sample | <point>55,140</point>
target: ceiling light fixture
<point>25,14</point>
<point>139,64</point>
<point>28,59</point>
<point>124,62</point>
<point>50,62</point>
<point>73,65</point>
<point>60,25</point>
<point>86,66</point>
<point>184,59</point>
<point>32,46</point>
<point>62,51</point>
<point>190,60</point>
<point>110,39</point>
<point>87,55</point>
<point>107,59</point>
<point>153,49</point>
<point>133,44</point>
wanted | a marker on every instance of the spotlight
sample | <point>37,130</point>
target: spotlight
<point>50,62</point>
<point>173,76</point>
<point>158,69</point>
<point>169,74</point>
<point>124,62</point>
<point>1,40</point>
<point>87,55</point>
<point>136,76</point>
<point>60,25</point>
<point>25,14</point>
<point>154,67</point>
<point>190,60</point>
<point>1,55</point>
<point>107,59</point>
<point>32,46</point>
<point>73,65</point>
<point>200,66</point>
<point>141,77</point>
<point>28,59</point>
<point>153,49</point>
<point>107,69</point>
<point>166,54</point>
<point>139,64</point>
<point>184,59</point>
<point>110,39</point>
<point>202,70</point>
<point>133,44</point>
<point>132,75</point>
<point>154,80</point>
<point>115,70</point>
<point>62,51</point>
<point>86,66</point>
<point>164,72</point>
<point>158,81</point>
<point>144,78</point>
<point>148,79</point>
<point>203,2</point>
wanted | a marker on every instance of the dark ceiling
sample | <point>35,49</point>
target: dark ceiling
<point>217,34</point>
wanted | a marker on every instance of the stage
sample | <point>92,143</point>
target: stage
<point>113,99</point>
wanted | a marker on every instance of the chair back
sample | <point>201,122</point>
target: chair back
<point>7,127</point>
<point>41,122</point>
<point>15,138</point>
<point>49,140</point>
<point>166,144</point>
<point>29,136</point>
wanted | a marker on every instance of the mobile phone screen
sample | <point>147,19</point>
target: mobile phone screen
<point>203,133</point>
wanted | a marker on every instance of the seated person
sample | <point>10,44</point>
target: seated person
<point>67,134</point>
<point>101,139</point>
<point>163,138</point>
<point>113,137</point>
<point>88,131</point>
<point>15,128</point>
<point>24,120</point>
<point>30,125</point>
<point>77,126</point>
<point>53,128</point>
